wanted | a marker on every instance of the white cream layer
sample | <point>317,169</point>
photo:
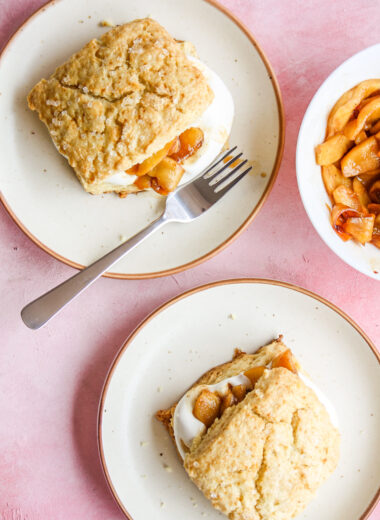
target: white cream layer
<point>323,399</point>
<point>120,179</point>
<point>215,122</point>
<point>187,427</point>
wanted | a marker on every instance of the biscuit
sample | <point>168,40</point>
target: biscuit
<point>265,457</point>
<point>119,100</point>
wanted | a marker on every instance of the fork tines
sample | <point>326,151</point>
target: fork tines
<point>225,176</point>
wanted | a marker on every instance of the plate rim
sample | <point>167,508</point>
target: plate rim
<point>245,223</point>
<point>334,249</point>
<point>231,281</point>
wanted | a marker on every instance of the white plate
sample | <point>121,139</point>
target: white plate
<point>193,333</point>
<point>361,66</point>
<point>52,208</point>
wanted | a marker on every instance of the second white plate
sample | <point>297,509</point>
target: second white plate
<point>195,332</point>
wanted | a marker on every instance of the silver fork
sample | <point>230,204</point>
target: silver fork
<point>183,205</point>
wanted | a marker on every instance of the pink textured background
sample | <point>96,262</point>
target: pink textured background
<point>50,380</point>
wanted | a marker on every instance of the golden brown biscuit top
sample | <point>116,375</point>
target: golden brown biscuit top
<point>120,99</point>
<point>265,457</point>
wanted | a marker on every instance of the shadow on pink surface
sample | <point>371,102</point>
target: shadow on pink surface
<point>85,415</point>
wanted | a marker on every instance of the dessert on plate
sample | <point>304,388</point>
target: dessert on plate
<point>255,435</point>
<point>135,110</point>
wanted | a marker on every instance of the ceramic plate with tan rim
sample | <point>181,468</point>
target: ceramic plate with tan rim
<point>174,346</point>
<point>41,192</point>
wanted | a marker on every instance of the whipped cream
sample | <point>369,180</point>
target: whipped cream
<point>186,426</point>
<point>121,179</point>
<point>215,122</point>
<point>323,399</point>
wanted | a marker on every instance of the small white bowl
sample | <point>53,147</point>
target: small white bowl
<point>363,65</point>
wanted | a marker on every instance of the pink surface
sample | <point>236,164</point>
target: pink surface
<point>51,379</point>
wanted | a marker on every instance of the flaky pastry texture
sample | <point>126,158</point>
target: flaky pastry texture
<point>119,100</point>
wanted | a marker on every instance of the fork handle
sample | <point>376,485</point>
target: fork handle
<point>41,310</point>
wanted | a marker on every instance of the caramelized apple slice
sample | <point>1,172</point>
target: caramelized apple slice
<point>254,374</point>
<point>367,115</point>
<point>376,228</point>
<point>375,128</point>
<point>190,140</point>
<point>153,160</point>
<point>376,240</point>
<point>339,215</point>
<point>285,360</point>
<point>362,158</point>
<point>360,228</point>
<point>346,196</point>
<point>333,177</point>
<point>341,113</point>
<point>369,177</point>
<point>349,129</point>
<point>348,102</point>
<point>364,103</point>
<point>332,150</point>
<point>362,136</point>
<point>133,170</point>
<point>239,392</point>
<point>361,192</point>
<point>207,407</point>
<point>228,400</point>
<point>374,208</point>
<point>374,192</point>
<point>168,174</point>
<point>144,182</point>
<point>176,145</point>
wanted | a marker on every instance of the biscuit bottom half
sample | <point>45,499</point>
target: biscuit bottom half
<point>262,453</point>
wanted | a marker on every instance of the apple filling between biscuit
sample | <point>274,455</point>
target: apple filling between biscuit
<point>163,170</point>
<point>201,406</point>
<point>210,405</point>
